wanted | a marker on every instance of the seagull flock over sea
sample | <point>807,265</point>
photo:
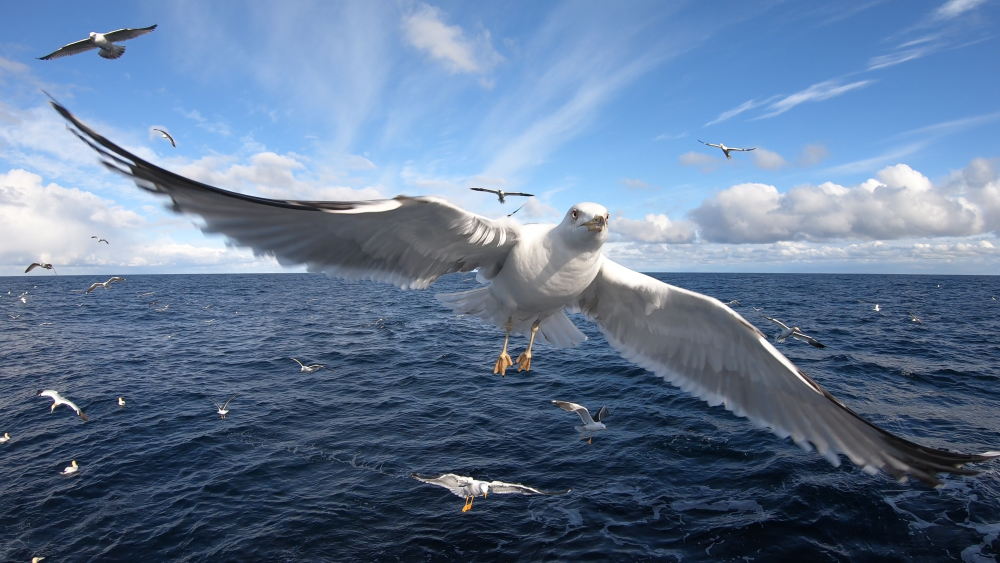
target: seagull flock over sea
<point>532,276</point>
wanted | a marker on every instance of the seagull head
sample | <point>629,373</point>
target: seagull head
<point>588,221</point>
<point>483,488</point>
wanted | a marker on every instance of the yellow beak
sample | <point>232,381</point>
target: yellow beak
<point>595,224</point>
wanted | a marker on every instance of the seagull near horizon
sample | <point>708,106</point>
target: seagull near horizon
<point>469,488</point>
<point>223,410</point>
<point>99,239</point>
<point>73,468</point>
<point>43,265</point>
<point>502,195</point>
<point>105,285</point>
<point>103,41</point>
<point>166,136</point>
<point>726,149</point>
<point>794,332</point>
<point>589,424</point>
<point>312,368</point>
<point>538,273</point>
<point>58,399</point>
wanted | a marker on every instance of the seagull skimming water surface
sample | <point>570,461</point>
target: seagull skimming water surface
<point>105,285</point>
<point>469,488</point>
<point>40,265</point>
<point>589,424</point>
<point>58,399</point>
<point>223,411</point>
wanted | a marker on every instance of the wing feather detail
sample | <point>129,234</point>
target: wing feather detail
<point>127,33</point>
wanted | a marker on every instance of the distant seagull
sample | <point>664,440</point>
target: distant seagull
<point>312,368</point>
<point>876,308</point>
<point>511,214</point>
<point>223,410</point>
<point>758,309</point>
<point>724,148</point>
<point>104,284</point>
<point>735,303</point>
<point>5,439</point>
<point>73,468</point>
<point>166,136</point>
<point>41,265</point>
<point>103,41</point>
<point>99,239</point>
<point>36,559</point>
<point>121,402</point>
<point>469,488</point>
<point>502,195</point>
<point>794,332</point>
<point>15,317</point>
<point>914,318</point>
<point>589,424</point>
<point>58,399</point>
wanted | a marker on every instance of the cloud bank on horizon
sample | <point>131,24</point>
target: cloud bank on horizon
<point>876,146</point>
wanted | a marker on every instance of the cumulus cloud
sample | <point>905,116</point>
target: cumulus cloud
<point>768,160</point>
<point>706,162</point>
<point>901,203</point>
<point>425,30</point>
<point>653,229</point>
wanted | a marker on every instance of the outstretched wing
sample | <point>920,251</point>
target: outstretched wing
<point>450,481</point>
<point>167,136</point>
<point>501,488</point>
<point>709,144</point>
<point>519,193</point>
<point>74,48</point>
<point>127,33</point>
<point>93,287</point>
<point>32,267</point>
<point>743,150</point>
<point>807,339</point>
<point>578,409</point>
<point>487,190</point>
<point>227,402</point>
<point>407,241</point>
<point>776,321</point>
<point>707,349</point>
<point>602,414</point>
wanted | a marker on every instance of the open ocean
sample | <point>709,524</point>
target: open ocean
<point>314,467</point>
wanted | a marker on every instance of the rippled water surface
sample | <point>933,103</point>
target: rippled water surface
<point>317,466</point>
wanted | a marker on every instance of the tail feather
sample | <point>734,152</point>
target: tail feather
<point>115,52</point>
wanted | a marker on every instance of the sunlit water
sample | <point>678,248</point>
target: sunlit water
<point>317,466</point>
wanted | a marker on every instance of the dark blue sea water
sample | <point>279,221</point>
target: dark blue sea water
<point>312,467</point>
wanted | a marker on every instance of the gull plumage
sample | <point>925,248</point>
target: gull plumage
<point>589,424</point>
<point>58,399</point>
<point>223,411</point>
<point>5,438</point>
<point>310,368</point>
<point>794,332</point>
<point>725,149</point>
<point>103,41</point>
<point>100,240</point>
<point>537,274</point>
<point>44,265</point>
<point>166,136</point>
<point>914,318</point>
<point>73,468</point>
<point>105,285</point>
<point>469,488</point>
<point>121,402</point>
<point>502,195</point>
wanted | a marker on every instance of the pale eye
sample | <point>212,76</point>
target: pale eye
<point>575,214</point>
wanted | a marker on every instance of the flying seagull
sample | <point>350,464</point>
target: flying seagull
<point>469,488</point>
<point>100,240</point>
<point>914,318</point>
<point>166,136</point>
<point>502,195</point>
<point>511,214</point>
<point>105,285</point>
<point>589,424</point>
<point>312,368</point>
<point>58,399</point>
<point>539,272</point>
<point>794,332</point>
<point>103,41</point>
<point>73,468</point>
<point>725,149</point>
<point>40,265</point>
<point>734,303</point>
<point>223,410</point>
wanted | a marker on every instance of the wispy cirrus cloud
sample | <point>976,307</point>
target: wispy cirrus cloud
<point>745,106</point>
<point>954,8</point>
<point>815,93</point>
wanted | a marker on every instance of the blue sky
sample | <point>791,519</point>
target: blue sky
<point>876,125</point>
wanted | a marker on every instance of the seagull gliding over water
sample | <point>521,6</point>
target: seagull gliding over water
<point>312,368</point>
<point>589,424</point>
<point>469,488</point>
<point>104,284</point>
<point>58,399</point>
<point>537,274</point>
<point>794,332</point>
<point>40,265</point>
<point>223,410</point>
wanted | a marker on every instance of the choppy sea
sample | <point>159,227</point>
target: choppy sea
<point>317,467</point>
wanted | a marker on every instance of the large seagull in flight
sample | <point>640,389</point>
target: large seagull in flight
<point>537,274</point>
<point>103,41</point>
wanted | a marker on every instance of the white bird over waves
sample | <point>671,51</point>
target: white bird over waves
<point>223,410</point>
<point>538,273</point>
<point>914,318</point>
<point>73,468</point>
<point>100,240</point>
<point>725,149</point>
<point>58,399</point>
<point>469,488</point>
<point>103,41</point>
<point>104,284</point>
<point>311,368</point>
<point>794,332</point>
<point>877,308</point>
<point>40,265</point>
<point>589,424</point>
<point>166,136</point>
<point>5,439</point>
<point>734,303</point>
<point>121,402</point>
<point>502,195</point>
<point>36,559</point>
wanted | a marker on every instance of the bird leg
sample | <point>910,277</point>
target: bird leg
<point>468,504</point>
<point>504,361</point>
<point>524,360</point>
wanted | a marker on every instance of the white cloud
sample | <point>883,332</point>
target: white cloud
<point>891,59</point>
<point>813,154</point>
<point>707,163</point>
<point>666,137</point>
<point>653,229</point>
<point>815,93</point>
<point>425,30</point>
<point>357,162</point>
<point>954,8</point>
<point>634,184</point>
<point>745,106</point>
<point>768,160</point>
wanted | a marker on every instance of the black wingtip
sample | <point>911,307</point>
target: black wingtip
<point>817,344</point>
